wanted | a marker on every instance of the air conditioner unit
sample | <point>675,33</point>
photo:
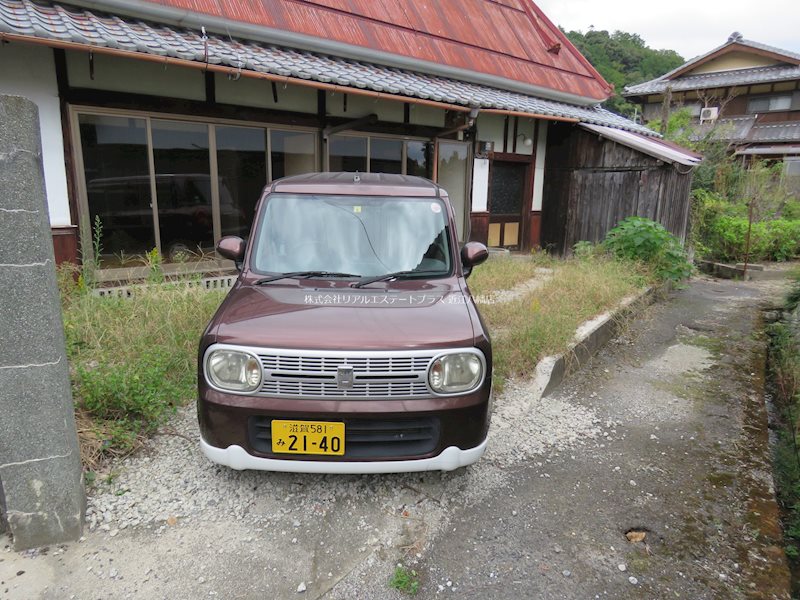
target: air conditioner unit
<point>709,114</point>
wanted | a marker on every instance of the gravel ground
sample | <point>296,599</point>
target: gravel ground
<point>320,527</point>
<point>540,516</point>
<point>170,479</point>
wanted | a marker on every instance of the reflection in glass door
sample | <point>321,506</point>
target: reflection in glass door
<point>177,186</point>
<point>452,176</point>
<point>183,189</point>
<point>117,178</point>
<point>385,155</point>
<point>242,168</point>
<point>292,153</point>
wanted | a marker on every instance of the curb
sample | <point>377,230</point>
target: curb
<point>590,337</point>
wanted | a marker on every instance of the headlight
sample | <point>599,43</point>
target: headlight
<point>233,370</point>
<point>453,373</point>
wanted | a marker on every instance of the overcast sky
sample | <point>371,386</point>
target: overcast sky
<point>690,27</point>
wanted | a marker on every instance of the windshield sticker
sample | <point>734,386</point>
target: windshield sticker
<point>356,209</point>
<point>436,208</point>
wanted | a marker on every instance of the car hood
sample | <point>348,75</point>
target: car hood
<point>336,317</point>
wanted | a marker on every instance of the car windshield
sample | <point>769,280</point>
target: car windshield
<point>363,235</point>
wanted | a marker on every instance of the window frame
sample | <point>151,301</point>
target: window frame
<point>769,98</point>
<point>79,171</point>
<point>381,136</point>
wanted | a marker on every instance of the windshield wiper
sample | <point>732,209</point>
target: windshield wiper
<point>395,275</point>
<point>303,274</point>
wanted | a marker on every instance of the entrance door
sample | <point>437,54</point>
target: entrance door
<point>506,203</point>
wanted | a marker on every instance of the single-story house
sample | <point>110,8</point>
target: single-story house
<point>163,120</point>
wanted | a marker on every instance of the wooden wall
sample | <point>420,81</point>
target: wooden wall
<point>591,184</point>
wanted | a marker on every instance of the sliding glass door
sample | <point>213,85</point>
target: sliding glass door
<point>183,189</point>
<point>179,185</point>
<point>242,167</point>
<point>117,178</point>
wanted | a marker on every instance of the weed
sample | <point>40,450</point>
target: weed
<point>785,371</point>
<point>640,239</point>
<point>505,272</point>
<point>405,580</point>
<point>544,322</point>
<point>133,361</point>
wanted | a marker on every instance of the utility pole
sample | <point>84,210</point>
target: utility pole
<point>665,107</point>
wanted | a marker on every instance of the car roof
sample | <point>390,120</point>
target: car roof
<point>358,184</point>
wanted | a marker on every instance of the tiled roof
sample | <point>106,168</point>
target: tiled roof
<point>746,130</point>
<point>722,78</point>
<point>50,21</point>
<point>716,80</point>
<point>775,132</point>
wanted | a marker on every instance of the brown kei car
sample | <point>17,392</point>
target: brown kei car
<point>350,342</point>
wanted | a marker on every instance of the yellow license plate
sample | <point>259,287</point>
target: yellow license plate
<point>307,437</point>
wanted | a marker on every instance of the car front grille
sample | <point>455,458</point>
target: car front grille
<point>374,375</point>
<point>366,438</point>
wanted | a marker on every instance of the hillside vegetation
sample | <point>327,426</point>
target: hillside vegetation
<point>623,59</point>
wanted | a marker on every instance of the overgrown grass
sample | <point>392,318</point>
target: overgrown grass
<point>545,321</point>
<point>132,361</point>
<point>504,272</point>
<point>785,378</point>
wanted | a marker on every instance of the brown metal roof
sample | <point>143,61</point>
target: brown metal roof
<point>511,39</point>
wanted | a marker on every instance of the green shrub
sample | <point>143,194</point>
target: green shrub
<point>640,239</point>
<point>726,239</point>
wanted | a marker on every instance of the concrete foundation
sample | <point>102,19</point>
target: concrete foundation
<point>42,498</point>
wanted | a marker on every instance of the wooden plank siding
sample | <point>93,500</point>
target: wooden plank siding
<point>591,184</point>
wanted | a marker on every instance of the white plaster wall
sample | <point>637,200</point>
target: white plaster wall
<point>359,106</point>
<point>28,70</point>
<point>421,114</point>
<point>480,184</point>
<point>538,176</point>
<point>525,127</point>
<point>490,129</point>
<point>249,91</point>
<point>117,74</point>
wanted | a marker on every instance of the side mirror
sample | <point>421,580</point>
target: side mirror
<point>473,254</point>
<point>232,247</point>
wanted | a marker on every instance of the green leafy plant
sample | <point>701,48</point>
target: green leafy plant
<point>584,250</point>
<point>646,241</point>
<point>155,266</point>
<point>90,261</point>
<point>405,580</point>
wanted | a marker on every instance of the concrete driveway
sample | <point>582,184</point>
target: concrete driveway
<point>663,436</point>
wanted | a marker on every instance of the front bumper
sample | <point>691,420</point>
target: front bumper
<point>238,458</point>
<point>452,432</point>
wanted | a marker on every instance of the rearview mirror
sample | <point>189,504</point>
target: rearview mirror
<point>473,254</point>
<point>232,247</point>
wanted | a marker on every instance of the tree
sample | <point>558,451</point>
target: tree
<point>623,59</point>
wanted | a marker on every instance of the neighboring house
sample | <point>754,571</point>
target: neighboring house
<point>166,119</point>
<point>748,92</point>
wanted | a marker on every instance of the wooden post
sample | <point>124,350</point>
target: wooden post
<point>747,241</point>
